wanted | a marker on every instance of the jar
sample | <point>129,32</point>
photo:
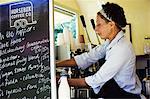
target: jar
<point>147,86</point>
<point>147,45</point>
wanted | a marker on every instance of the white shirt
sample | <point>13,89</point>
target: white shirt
<point>120,65</point>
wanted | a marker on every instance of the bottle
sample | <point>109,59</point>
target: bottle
<point>64,89</point>
<point>146,45</point>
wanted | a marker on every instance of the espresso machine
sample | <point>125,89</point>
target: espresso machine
<point>146,80</point>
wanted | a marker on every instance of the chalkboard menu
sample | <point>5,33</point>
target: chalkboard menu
<point>25,50</point>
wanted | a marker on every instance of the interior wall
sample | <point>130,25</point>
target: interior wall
<point>148,20</point>
<point>71,4</point>
<point>137,13</point>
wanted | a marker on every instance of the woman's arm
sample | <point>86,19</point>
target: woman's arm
<point>78,82</point>
<point>66,63</point>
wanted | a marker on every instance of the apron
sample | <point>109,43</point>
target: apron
<point>112,90</point>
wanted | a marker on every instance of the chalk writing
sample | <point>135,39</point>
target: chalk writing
<point>8,64</point>
<point>22,61</point>
<point>10,82</point>
<point>44,49</point>
<point>15,41</point>
<point>1,36</point>
<point>10,50</point>
<point>34,57</point>
<point>44,69</point>
<point>36,43</point>
<point>45,56</point>
<point>3,45</point>
<point>44,80</point>
<point>22,32</point>
<point>1,74</point>
<point>39,49</point>
<point>9,58</point>
<point>24,55</point>
<point>32,66</point>
<point>2,84</point>
<point>30,87</point>
<point>6,74</point>
<point>41,66</point>
<point>1,93</point>
<point>36,48</point>
<point>22,69</point>
<point>43,88</point>
<point>28,76</point>
<point>10,34</point>
<point>13,91</point>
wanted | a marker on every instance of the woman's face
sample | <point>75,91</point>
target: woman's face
<point>103,28</point>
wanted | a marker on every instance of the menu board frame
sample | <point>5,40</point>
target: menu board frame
<point>52,47</point>
<point>51,43</point>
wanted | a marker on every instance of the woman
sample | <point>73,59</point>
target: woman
<point>117,76</point>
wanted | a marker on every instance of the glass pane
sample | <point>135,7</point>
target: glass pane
<point>61,21</point>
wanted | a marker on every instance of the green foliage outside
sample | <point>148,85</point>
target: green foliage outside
<point>71,25</point>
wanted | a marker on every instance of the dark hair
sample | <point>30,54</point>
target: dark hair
<point>115,13</point>
<point>106,20</point>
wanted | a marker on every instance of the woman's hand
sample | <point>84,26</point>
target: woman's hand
<point>78,82</point>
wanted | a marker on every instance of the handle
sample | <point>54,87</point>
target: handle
<point>83,21</point>
<point>93,24</point>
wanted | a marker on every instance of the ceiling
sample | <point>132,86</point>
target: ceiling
<point>91,7</point>
<point>87,7</point>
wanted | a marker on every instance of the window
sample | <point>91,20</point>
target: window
<point>64,19</point>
